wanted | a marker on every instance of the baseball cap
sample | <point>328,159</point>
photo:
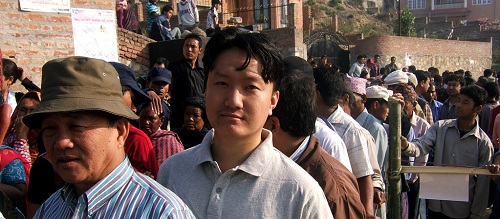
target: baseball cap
<point>160,74</point>
<point>127,78</point>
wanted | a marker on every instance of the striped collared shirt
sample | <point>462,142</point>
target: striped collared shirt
<point>121,194</point>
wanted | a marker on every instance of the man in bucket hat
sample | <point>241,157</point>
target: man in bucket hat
<point>84,124</point>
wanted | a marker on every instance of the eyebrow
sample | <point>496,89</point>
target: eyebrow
<point>250,76</point>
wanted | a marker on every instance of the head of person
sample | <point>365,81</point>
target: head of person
<point>161,62</point>
<point>27,103</point>
<point>370,63</point>
<point>423,80</point>
<point>361,59</point>
<point>468,74</point>
<point>481,81</point>
<point>330,87</point>
<point>159,79</point>
<point>404,69</point>
<point>487,73</point>
<point>469,81</point>
<point>455,83</point>
<point>83,118</point>
<point>192,47</point>
<point>132,95</point>
<point>460,73</point>
<point>358,88</point>
<point>167,10</point>
<point>470,102</point>
<point>430,94</point>
<point>295,114</point>
<point>195,116</point>
<point>433,71</point>
<point>438,80</point>
<point>10,73</point>
<point>216,4</point>
<point>242,71</point>
<point>376,58</point>
<point>396,78</point>
<point>377,101</point>
<point>149,120</point>
<point>492,90</point>
<point>410,98</point>
<point>412,68</point>
<point>324,59</point>
<point>310,59</point>
<point>393,60</point>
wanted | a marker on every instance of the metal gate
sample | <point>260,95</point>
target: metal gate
<point>326,42</point>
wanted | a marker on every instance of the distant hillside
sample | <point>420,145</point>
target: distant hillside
<point>353,18</point>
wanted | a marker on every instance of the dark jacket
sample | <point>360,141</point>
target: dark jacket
<point>339,185</point>
<point>186,82</point>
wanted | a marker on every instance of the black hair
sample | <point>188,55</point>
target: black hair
<point>296,109</point>
<point>476,93</point>
<point>412,68</point>
<point>421,75</point>
<point>360,57</point>
<point>330,86</point>
<point>482,80</point>
<point>469,81</point>
<point>255,45</point>
<point>195,37</point>
<point>377,55</point>
<point>10,69</point>
<point>438,78</point>
<point>468,74</point>
<point>454,77</point>
<point>370,101</point>
<point>166,8</point>
<point>163,61</point>
<point>487,72</point>
<point>197,102</point>
<point>492,90</point>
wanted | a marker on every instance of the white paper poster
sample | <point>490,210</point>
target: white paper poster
<point>441,186</point>
<point>94,33</point>
<point>45,5</point>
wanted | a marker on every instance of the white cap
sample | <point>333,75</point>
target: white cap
<point>396,77</point>
<point>412,78</point>
<point>376,92</point>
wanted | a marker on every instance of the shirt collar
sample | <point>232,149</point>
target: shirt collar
<point>336,116</point>
<point>474,131</point>
<point>102,190</point>
<point>255,164</point>
<point>413,119</point>
<point>362,116</point>
<point>300,150</point>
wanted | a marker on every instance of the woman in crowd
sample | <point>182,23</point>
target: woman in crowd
<point>195,122</point>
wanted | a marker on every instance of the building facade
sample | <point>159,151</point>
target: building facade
<point>444,10</point>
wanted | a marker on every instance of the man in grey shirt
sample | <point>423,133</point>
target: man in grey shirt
<point>236,172</point>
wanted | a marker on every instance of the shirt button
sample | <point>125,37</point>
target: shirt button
<point>218,190</point>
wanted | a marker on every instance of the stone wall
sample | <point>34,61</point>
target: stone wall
<point>442,54</point>
<point>33,38</point>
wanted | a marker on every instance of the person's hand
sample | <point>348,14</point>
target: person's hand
<point>21,130</point>
<point>378,198</point>
<point>399,97</point>
<point>156,101</point>
<point>404,143</point>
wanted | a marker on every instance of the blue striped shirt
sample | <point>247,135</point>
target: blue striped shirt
<point>121,194</point>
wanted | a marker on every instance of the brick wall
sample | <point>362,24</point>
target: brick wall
<point>33,38</point>
<point>133,50</point>
<point>290,41</point>
<point>443,54</point>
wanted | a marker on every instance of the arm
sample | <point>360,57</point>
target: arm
<point>5,111</point>
<point>17,193</point>
<point>195,11</point>
<point>496,134</point>
<point>421,145</point>
<point>352,69</point>
<point>481,188</point>
<point>366,193</point>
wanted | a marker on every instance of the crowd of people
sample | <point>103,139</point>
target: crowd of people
<point>159,25</point>
<point>248,135</point>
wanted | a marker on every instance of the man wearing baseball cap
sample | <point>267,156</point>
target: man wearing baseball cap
<point>84,124</point>
<point>159,80</point>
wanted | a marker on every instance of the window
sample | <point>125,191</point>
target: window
<point>416,4</point>
<point>481,2</point>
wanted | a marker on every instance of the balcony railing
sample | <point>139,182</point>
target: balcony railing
<point>449,5</point>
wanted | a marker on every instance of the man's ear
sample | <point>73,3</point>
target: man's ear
<point>477,109</point>
<point>122,126</point>
<point>275,124</point>
<point>376,105</point>
<point>363,97</point>
<point>274,101</point>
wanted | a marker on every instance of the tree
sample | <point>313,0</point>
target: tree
<point>407,24</point>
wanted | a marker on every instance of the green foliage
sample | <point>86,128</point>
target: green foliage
<point>407,24</point>
<point>334,3</point>
<point>340,8</point>
<point>310,2</point>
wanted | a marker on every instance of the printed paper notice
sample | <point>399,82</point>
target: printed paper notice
<point>439,186</point>
<point>45,5</point>
<point>94,33</point>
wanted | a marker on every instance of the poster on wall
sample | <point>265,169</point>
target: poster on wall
<point>45,5</point>
<point>94,33</point>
